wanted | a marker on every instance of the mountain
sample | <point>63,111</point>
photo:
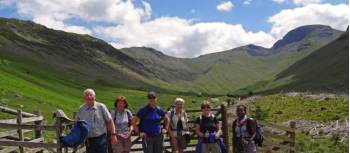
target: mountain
<point>304,36</point>
<point>81,56</point>
<point>324,70</point>
<point>164,67</point>
<point>82,61</point>
<point>254,50</point>
<point>236,68</point>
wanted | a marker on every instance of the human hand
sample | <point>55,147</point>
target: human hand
<point>114,139</point>
<point>143,135</point>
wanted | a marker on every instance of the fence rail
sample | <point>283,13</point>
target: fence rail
<point>14,140</point>
<point>9,142</point>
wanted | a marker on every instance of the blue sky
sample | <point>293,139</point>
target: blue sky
<point>182,28</point>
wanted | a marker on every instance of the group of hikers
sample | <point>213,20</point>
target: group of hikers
<point>120,123</point>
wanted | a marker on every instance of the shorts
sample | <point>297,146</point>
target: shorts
<point>122,145</point>
<point>180,143</point>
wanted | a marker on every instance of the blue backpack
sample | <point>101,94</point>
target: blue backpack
<point>211,138</point>
<point>77,135</point>
<point>259,137</point>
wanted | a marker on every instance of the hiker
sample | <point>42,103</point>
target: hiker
<point>208,130</point>
<point>97,115</point>
<point>122,118</point>
<point>178,126</point>
<point>150,129</point>
<point>244,130</point>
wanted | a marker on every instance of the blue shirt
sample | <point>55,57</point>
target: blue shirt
<point>150,120</point>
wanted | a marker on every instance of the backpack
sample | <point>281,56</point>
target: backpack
<point>127,113</point>
<point>187,136</point>
<point>220,142</point>
<point>172,113</point>
<point>77,135</point>
<point>259,137</point>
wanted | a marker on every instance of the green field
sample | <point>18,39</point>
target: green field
<point>32,87</point>
<point>280,108</point>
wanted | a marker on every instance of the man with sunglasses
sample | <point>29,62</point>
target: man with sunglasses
<point>149,127</point>
<point>208,130</point>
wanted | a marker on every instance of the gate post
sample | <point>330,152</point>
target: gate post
<point>224,127</point>
<point>38,133</point>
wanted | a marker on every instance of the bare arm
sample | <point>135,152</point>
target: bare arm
<point>134,121</point>
<point>111,127</point>
<point>166,122</point>
<point>198,131</point>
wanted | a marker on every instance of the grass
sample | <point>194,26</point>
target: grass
<point>306,143</point>
<point>281,108</point>
<point>36,87</point>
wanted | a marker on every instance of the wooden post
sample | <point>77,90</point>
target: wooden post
<point>224,124</point>
<point>20,131</point>
<point>292,124</point>
<point>58,134</point>
<point>232,139</point>
<point>38,133</point>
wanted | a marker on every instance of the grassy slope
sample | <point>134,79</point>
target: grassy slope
<point>281,108</point>
<point>38,87</point>
<point>324,70</point>
<point>234,70</point>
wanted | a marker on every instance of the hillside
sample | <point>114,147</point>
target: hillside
<point>324,70</point>
<point>237,68</point>
<point>79,57</point>
<point>84,60</point>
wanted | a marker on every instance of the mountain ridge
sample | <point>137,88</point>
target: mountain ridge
<point>143,68</point>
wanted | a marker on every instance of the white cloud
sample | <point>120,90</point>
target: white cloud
<point>247,2</point>
<point>336,16</point>
<point>225,6</point>
<point>131,26</point>
<point>59,25</point>
<point>306,2</point>
<point>5,3</point>
<point>183,38</point>
<point>279,1</point>
<point>54,13</point>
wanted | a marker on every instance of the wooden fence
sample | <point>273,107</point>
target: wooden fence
<point>37,144</point>
<point>220,113</point>
<point>15,141</point>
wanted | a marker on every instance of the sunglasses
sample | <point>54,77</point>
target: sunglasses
<point>206,107</point>
<point>151,97</point>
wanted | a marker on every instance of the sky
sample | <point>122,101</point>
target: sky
<point>181,28</point>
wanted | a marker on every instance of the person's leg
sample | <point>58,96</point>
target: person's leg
<point>88,147</point>
<point>148,145</point>
<point>118,148</point>
<point>101,145</point>
<point>215,148</point>
<point>205,148</point>
<point>127,145</point>
<point>250,148</point>
<point>173,143</point>
<point>158,144</point>
<point>181,143</point>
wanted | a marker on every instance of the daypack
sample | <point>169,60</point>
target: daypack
<point>77,135</point>
<point>172,113</point>
<point>127,113</point>
<point>212,137</point>
<point>259,137</point>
